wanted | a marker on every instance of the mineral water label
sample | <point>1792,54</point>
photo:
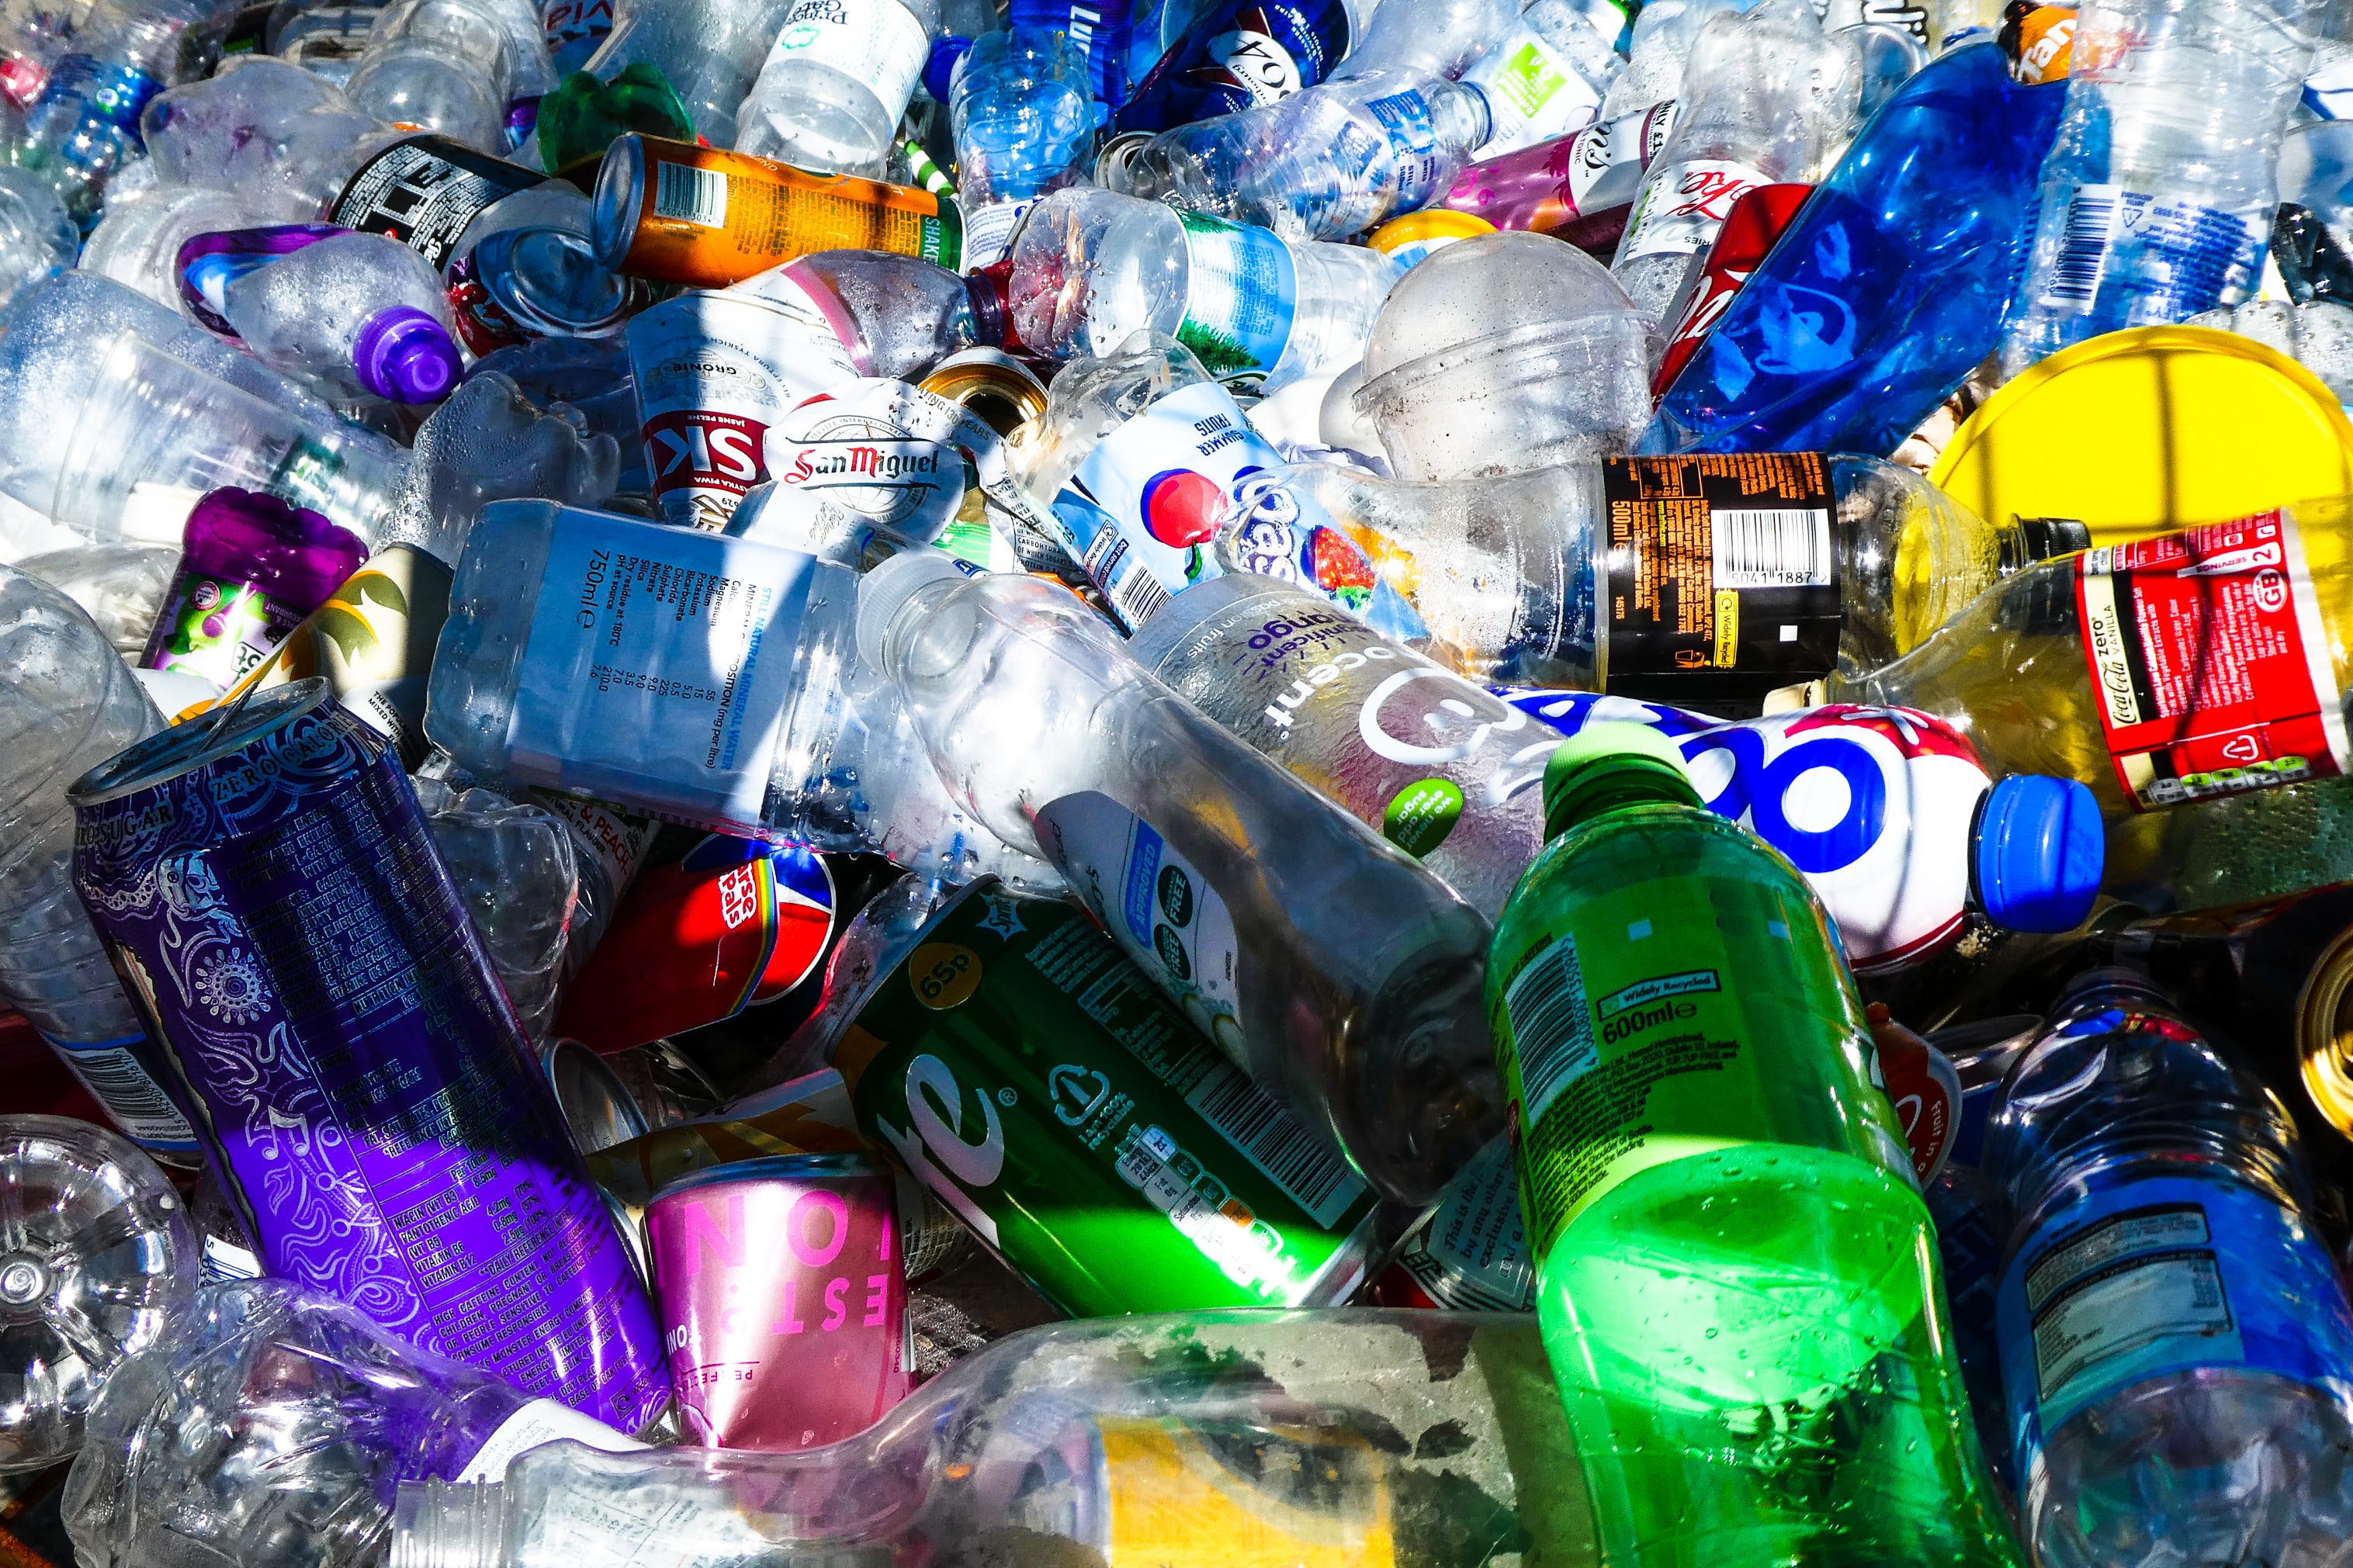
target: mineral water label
<point>1156,905</point>
<point>1182,1494</point>
<point>1141,511</point>
<point>2210,662</point>
<point>1241,291</point>
<point>2152,260</point>
<point>659,667</point>
<point>877,42</point>
<point>1472,1255</point>
<point>714,373</point>
<point>1035,1083</point>
<point>541,1421</point>
<point>2159,1277</point>
<point>1721,584</point>
<point>423,192</point>
<point>1534,91</point>
<point>1399,169</point>
<point>119,1080</point>
<point>1681,208</point>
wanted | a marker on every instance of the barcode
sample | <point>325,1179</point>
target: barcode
<point>696,195</point>
<point>1140,597</point>
<point>1552,1029</point>
<point>1773,548</point>
<point>2084,251</point>
<point>1263,1131</point>
<point>116,1080</point>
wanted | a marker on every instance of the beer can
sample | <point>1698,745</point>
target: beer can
<point>783,1299</point>
<point>270,894</point>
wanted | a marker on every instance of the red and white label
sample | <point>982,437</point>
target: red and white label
<point>702,450</point>
<point>1683,206</point>
<point>2207,653</point>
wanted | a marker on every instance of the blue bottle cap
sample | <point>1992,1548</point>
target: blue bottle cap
<point>939,71</point>
<point>2041,850</point>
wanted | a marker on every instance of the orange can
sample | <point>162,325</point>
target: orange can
<point>677,212</point>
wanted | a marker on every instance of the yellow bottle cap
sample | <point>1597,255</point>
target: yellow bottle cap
<point>1416,234</point>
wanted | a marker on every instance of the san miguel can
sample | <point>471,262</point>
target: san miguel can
<point>783,1298</point>
<point>271,897</point>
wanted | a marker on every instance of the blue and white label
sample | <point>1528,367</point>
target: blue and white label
<point>1242,290</point>
<point>2131,258</point>
<point>117,1079</point>
<point>2164,1276</point>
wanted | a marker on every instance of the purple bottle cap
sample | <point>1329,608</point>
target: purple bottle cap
<point>405,356</point>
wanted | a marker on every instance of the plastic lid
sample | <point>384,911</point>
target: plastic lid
<point>2041,850</point>
<point>939,69</point>
<point>1610,764</point>
<point>885,592</point>
<point>2149,429</point>
<point>405,356</point>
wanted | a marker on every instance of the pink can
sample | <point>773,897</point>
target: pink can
<point>782,1297</point>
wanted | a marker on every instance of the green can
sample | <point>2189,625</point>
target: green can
<point>1029,1074</point>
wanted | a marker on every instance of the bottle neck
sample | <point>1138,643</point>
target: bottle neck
<point>1627,782</point>
<point>2024,540</point>
<point>448,1524</point>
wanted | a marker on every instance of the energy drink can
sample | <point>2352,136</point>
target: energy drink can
<point>273,899</point>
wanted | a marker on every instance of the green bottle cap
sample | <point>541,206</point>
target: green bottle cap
<point>1606,766</point>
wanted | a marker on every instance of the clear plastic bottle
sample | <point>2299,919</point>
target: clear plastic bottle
<point>708,53</point>
<point>1309,1438</point>
<point>439,65</point>
<point>1340,974</point>
<point>38,239</point>
<point>96,1252</point>
<point>895,315</point>
<point>1768,97</point>
<point>360,312</point>
<point>1092,268</point>
<point>238,131</point>
<point>2157,196</point>
<point>1025,120</point>
<point>1664,36</point>
<point>1324,163</point>
<point>2176,1340</point>
<point>830,96</point>
<point>137,243</point>
<point>1549,76</point>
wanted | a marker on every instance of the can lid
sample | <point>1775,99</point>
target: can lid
<point>1612,764</point>
<point>206,738</point>
<point>2040,852</point>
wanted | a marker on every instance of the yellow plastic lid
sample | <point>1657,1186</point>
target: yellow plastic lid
<point>1416,234</point>
<point>2151,428</point>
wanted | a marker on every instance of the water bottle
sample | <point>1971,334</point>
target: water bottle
<point>359,312</point>
<point>137,243</point>
<point>2176,1342</point>
<point>708,54</point>
<point>99,1255</point>
<point>2156,198</point>
<point>439,65</point>
<point>831,93</point>
<point>1434,39</point>
<point>1092,268</point>
<point>69,703</point>
<point>38,239</point>
<point>1340,974</point>
<point>1657,50</point>
<point>237,131</point>
<point>1548,78</point>
<point>894,316</point>
<point>1768,98</point>
<point>1324,163</point>
<point>1025,118</point>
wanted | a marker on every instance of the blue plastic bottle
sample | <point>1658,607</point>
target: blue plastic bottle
<point>1891,285</point>
<point>1239,54</point>
<point>2177,1349</point>
<point>1024,117</point>
<point>1103,31</point>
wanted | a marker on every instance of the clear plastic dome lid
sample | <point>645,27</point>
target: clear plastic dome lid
<point>1484,295</point>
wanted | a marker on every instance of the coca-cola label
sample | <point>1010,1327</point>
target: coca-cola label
<point>2210,662</point>
<point>1683,208</point>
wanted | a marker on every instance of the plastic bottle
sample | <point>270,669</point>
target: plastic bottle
<point>1025,122</point>
<point>137,243</point>
<point>833,86</point>
<point>2214,794</point>
<point>1316,955</point>
<point>1657,49</point>
<point>360,312</point>
<point>439,65</point>
<point>1737,1286</point>
<point>708,54</point>
<point>894,316</point>
<point>99,1254</point>
<point>1240,54</point>
<point>1768,98</point>
<point>1435,39</point>
<point>1324,163</point>
<point>1316,1437</point>
<point>1581,187</point>
<point>1092,268</point>
<point>238,131</point>
<point>1548,76</point>
<point>2175,1336</point>
<point>38,239</point>
<point>2157,196</point>
<point>250,568</point>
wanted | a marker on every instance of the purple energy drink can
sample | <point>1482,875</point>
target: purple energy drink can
<point>274,903</point>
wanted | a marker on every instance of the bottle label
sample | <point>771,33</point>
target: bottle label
<point>2210,662</point>
<point>1392,165</point>
<point>1156,905</point>
<point>988,231</point>
<point>1472,1255</point>
<point>1721,583</point>
<point>1273,532</point>
<point>1022,1069</point>
<point>574,28</point>
<point>217,628</point>
<point>1141,528</point>
<point>1607,162</point>
<point>658,667</point>
<point>2160,1277</point>
<point>119,1080</point>
<point>541,1421</point>
<point>1681,208</point>
<point>614,838</point>
<point>1240,55</point>
<point>1189,1494</point>
<point>423,192</point>
<point>1242,290</point>
<point>881,450</point>
<point>1534,92</point>
<point>714,373</point>
<point>2153,261</point>
<point>876,42</point>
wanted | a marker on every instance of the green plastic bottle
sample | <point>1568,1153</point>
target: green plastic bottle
<point>1735,1278</point>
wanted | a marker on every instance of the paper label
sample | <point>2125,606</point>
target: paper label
<point>423,192</point>
<point>1472,1255</point>
<point>574,28</point>
<point>1607,162</point>
<point>988,231</point>
<point>1683,208</point>
<point>876,42</point>
<point>1180,1494</point>
<point>880,449</point>
<point>2210,662</point>
<point>1721,580</point>
<point>714,372</point>
<point>1156,905</point>
<point>541,1421</point>
<point>1534,92</point>
<point>1391,165</point>
<point>217,628</point>
<point>658,667</point>
<point>1140,524</point>
<point>1240,291</point>
<point>2136,259</point>
<point>614,838</point>
<point>117,1078</point>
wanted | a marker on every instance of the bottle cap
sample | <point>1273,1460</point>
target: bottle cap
<point>939,69</point>
<point>885,592</point>
<point>2039,851</point>
<point>405,356</point>
<point>1609,764</point>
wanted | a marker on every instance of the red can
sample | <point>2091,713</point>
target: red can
<point>1750,231</point>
